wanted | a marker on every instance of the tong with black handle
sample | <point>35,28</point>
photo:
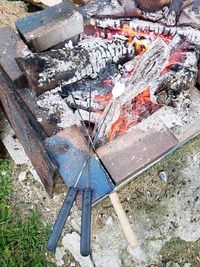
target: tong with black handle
<point>85,220</point>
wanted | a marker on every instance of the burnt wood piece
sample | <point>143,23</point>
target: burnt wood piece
<point>134,151</point>
<point>147,69</point>
<point>26,132</point>
<point>50,69</point>
<point>11,46</point>
<point>179,76</point>
<point>43,4</point>
<point>164,11</point>
<point>151,5</point>
<point>169,71</point>
<point>38,4</point>
<point>192,35</point>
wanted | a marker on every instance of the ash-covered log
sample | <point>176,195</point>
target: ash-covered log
<point>168,12</point>
<point>192,35</point>
<point>146,70</point>
<point>179,75</point>
<point>47,70</point>
<point>99,88</point>
<point>168,71</point>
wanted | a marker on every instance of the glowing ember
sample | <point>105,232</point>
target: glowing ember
<point>103,99</point>
<point>177,56</point>
<point>132,113</point>
<point>140,107</point>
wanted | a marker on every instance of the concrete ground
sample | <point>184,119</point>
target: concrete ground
<point>163,211</point>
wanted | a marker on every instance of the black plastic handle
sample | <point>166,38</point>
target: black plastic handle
<point>86,222</point>
<point>61,219</point>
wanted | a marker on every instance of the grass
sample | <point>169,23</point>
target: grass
<point>180,251</point>
<point>22,241</point>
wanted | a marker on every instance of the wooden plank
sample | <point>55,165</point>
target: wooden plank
<point>26,131</point>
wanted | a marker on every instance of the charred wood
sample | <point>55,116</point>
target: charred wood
<point>169,71</point>
<point>163,11</point>
<point>192,35</point>
<point>50,69</point>
<point>26,131</point>
<point>99,88</point>
<point>147,70</point>
<point>178,77</point>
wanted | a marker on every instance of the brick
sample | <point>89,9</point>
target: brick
<point>135,150</point>
<point>11,46</point>
<point>51,26</point>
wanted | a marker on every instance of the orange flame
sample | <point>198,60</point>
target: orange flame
<point>139,41</point>
<point>127,31</point>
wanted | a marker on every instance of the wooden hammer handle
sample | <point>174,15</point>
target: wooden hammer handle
<point>125,224</point>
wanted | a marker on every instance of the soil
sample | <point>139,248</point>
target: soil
<point>10,11</point>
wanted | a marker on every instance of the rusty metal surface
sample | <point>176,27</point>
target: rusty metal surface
<point>75,136</point>
<point>129,153</point>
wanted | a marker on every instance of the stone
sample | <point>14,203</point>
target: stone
<point>72,243</point>
<point>50,27</point>
<point>22,176</point>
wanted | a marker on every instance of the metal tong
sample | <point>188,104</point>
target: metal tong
<point>65,212</point>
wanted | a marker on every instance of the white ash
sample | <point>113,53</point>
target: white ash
<point>114,7</point>
<point>185,116</point>
<point>176,119</point>
<point>54,104</point>
<point>118,89</point>
<point>87,116</point>
<point>82,100</point>
<point>69,45</point>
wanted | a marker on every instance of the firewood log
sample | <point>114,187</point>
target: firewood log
<point>50,69</point>
<point>170,71</point>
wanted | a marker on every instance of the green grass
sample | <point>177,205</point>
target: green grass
<point>22,241</point>
<point>182,252</point>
